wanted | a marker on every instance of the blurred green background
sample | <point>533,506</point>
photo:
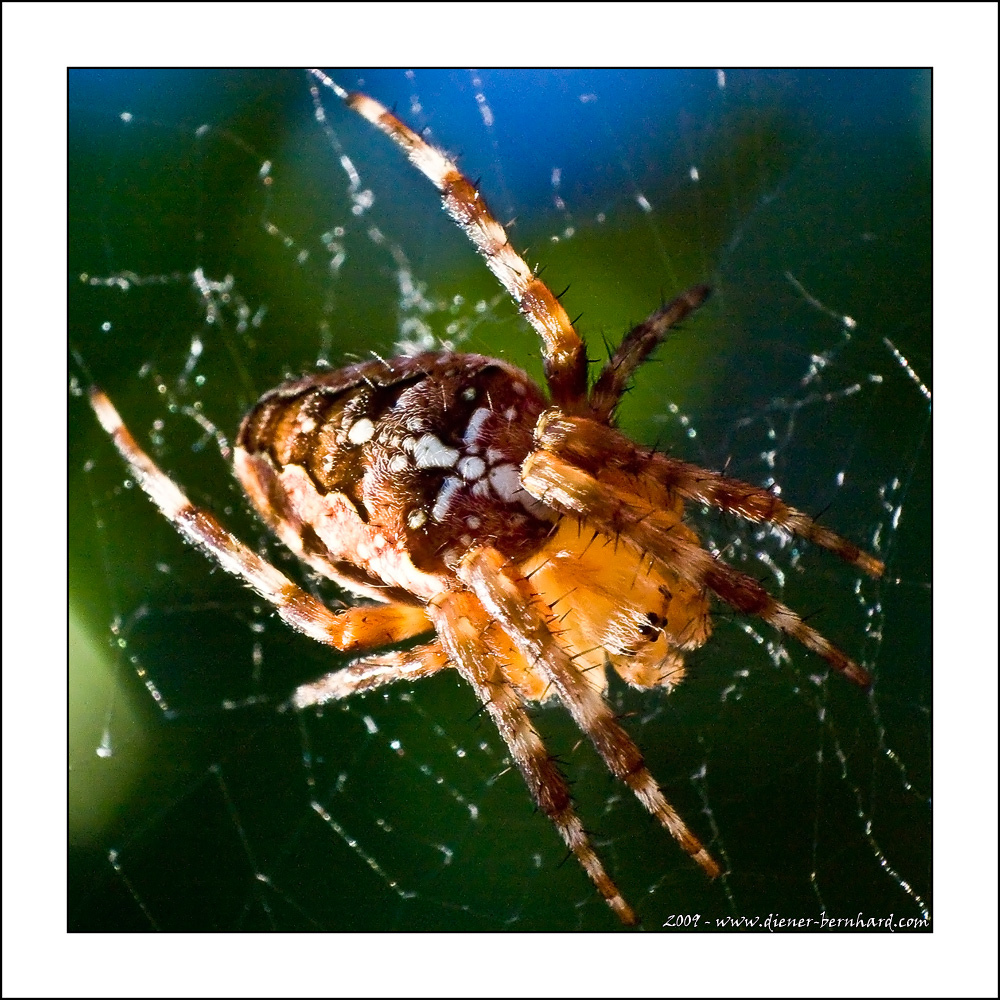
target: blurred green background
<point>197,816</point>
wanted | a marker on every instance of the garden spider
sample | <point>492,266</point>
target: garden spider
<point>449,490</point>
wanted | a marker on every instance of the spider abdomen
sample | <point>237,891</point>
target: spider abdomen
<point>382,473</point>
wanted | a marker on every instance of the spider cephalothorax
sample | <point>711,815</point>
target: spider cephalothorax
<point>463,501</point>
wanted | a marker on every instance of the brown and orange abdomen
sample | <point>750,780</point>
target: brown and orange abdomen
<point>380,475</point>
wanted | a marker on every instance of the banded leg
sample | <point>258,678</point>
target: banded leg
<point>353,629</point>
<point>637,345</point>
<point>525,617</point>
<point>616,513</point>
<point>592,446</point>
<point>370,673</point>
<point>564,353</point>
<point>461,622</point>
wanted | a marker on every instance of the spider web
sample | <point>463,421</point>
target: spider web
<point>222,238</point>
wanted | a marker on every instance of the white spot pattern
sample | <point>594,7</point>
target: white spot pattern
<point>430,452</point>
<point>506,480</point>
<point>471,467</point>
<point>361,431</point>
<point>449,488</point>
<point>475,425</point>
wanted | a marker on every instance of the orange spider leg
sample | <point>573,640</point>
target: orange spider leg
<point>462,622</point>
<point>370,673</point>
<point>355,628</point>
<point>617,513</point>
<point>564,353</point>
<point>526,618</point>
<point>592,447</point>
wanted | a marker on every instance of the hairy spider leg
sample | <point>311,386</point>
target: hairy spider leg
<point>565,357</point>
<point>593,446</point>
<point>635,348</point>
<point>620,514</point>
<point>461,622</point>
<point>525,617</point>
<point>372,672</point>
<point>352,629</point>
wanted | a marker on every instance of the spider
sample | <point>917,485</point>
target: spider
<point>535,541</point>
